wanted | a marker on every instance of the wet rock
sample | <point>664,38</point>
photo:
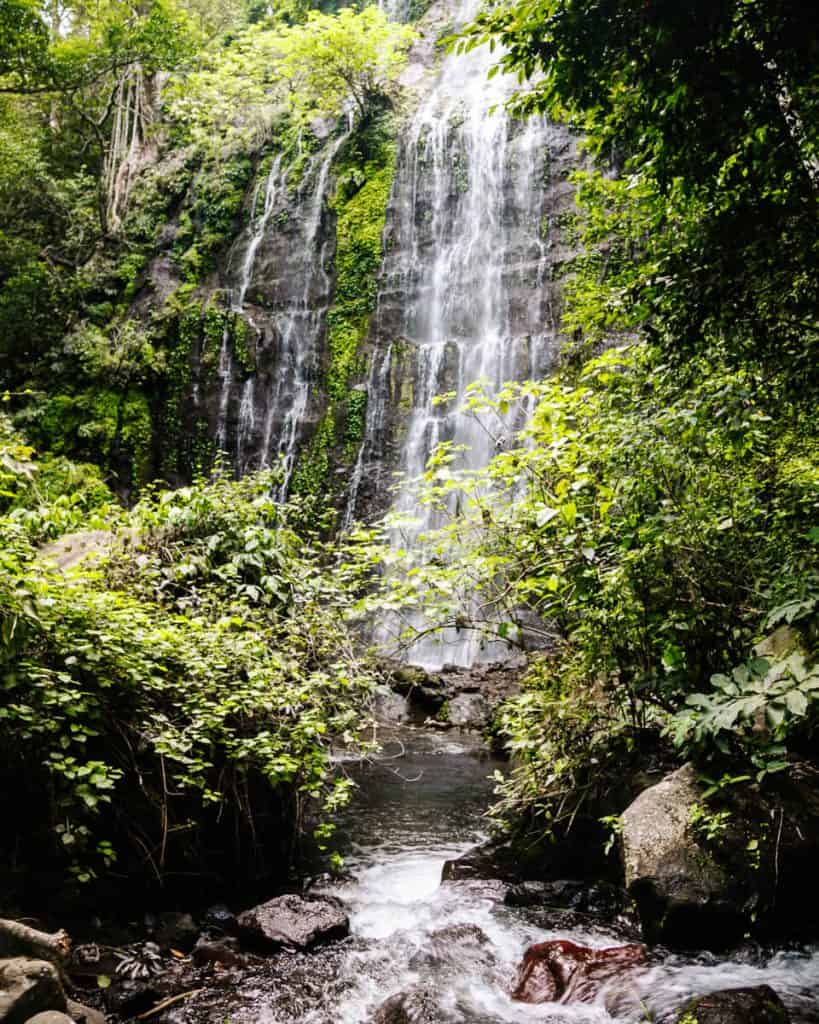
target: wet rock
<point>492,889</point>
<point>295,921</point>
<point>487,861</point>
<point>562,971</point>
<point>456,948</point>
<point>468,711</point>
<point>390,707</point>
<point>224,952</point>
<point>411,1007</point>
<point>130,998</point>
<point>682,893</point>
<point>422,689</point>
<point>50,1017</point>
<point>177,931</point>
<point>757,1005</point>
<point>569,894</point>
<point>82,1014</point>
<point>28,987</point>
<point>220,918</point>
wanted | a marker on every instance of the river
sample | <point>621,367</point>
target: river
<point>457,943</point>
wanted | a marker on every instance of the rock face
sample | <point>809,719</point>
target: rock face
<point>683,895</point>
<point>28,987</point>
<point>758,1005</point>
<point>295,922</point>
<point>411,1007</point>
<point>562,971</point>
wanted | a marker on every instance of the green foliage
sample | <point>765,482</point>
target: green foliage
<point>206,654</point>
<point>642,526</point>
<point>277,76</point>
<point>334,58</point>
<point>361,208</point>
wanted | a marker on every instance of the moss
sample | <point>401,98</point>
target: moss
<point>240,336</point>
<point>359,227</point>
<point>313,468</point>
<point>355,423</point>
<point>212,215</point>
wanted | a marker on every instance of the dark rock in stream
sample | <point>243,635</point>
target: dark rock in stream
<point>411,1007</point>
<point>176,931</point>
<point>224,952</point>
<point>456,948</point>
<point>757,1005</point>
<point>562,971</point>
<point>295,921</point>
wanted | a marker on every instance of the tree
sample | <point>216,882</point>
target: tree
<point>333,59</point>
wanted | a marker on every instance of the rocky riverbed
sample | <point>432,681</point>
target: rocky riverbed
<point>429,924</point>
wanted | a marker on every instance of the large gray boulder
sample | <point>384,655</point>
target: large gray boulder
<point>683,895</point>
<point>28,987</point>
<point>295,921</point>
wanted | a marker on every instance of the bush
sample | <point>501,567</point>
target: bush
<point>171,708</point>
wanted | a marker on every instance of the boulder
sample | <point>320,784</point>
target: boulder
<point>223,952</point>
<point>50,1017</point>
<point>490,860</point>
<point>562,971</point>
<point>177,931</point>
<point>757,1005</point>
<point>423,689</point>
<point>28,987</point>
<point>295,921</point>
<point>684,897</point>
<point>468,711</point>
<point>411,1007</point>
<point>84,1014</point>
<point>390,708</point>
<point>454,949</point>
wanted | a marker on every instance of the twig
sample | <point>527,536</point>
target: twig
<point>170,1001</point>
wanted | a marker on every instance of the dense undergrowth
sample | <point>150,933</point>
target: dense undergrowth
<point>169,703</point>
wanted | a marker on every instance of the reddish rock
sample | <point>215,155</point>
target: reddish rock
<point>561,971</point>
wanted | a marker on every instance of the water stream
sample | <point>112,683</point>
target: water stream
<point>457,941</point>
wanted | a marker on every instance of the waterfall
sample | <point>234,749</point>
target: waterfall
<point>258,226</point>
<point>464,283</point>
<point>272,406</point>
<point>300,330</point>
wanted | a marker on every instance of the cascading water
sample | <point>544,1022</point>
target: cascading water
<point>458,943</point>
<point>463,294</point>
<point>267,415</point>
